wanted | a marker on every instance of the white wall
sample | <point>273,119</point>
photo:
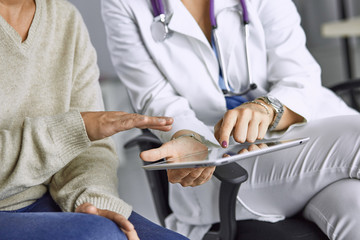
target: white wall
<point>314,13</point>
<point>90,10</point>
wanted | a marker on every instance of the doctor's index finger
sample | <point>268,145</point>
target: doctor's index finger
<point>217,130</point>
<point>226,127</point>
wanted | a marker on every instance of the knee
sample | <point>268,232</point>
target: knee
<point>88,227</point>
<point>336,209</point>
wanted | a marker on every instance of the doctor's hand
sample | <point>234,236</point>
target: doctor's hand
<point>125,225</point>
<point>104,124</point>
<point>248,122</point>
<point>176,148</point>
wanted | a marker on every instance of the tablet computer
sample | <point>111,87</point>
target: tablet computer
<point>220,156</point>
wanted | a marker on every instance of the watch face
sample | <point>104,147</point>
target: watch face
<point>275,103</point>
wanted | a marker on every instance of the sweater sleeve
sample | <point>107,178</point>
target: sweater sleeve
<point>39,149</point>
<point>92,175</point>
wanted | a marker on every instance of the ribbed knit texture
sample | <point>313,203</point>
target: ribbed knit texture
<point>45,82</point>
<point>70,139</point>
<point>106,203</point>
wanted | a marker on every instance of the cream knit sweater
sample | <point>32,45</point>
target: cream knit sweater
<point>45,82</point>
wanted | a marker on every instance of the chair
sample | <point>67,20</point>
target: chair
<point>231,176</point>
<point>350,92</point>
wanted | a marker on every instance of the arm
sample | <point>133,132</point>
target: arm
<point>91,175</point>
<point>88,184</point>
<point>251,121</point>
<point>39,149</point>
<point>293,75</point>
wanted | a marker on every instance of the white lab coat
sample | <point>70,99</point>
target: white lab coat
<point>179,77</point>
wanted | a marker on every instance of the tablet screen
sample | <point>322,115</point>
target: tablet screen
<point>220,156</point>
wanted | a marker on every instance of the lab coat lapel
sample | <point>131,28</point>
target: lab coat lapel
<point>182,22</point>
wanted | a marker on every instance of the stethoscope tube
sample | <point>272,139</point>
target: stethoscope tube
<point>245,12</point>
<point>162,32</point>
<point>158,7</point>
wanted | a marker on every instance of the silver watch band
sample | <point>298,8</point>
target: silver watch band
<point>278,108</point>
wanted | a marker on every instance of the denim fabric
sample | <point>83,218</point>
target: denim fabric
<point>44,220</point>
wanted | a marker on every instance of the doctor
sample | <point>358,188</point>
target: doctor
<point>230,70</point>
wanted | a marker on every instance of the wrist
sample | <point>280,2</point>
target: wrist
<point>262,104</point>
<point>278,110</point>
<point>190,134</point>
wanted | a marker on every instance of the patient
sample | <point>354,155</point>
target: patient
<point>54,153</point>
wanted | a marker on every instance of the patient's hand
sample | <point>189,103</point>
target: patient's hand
<point>175,149</point>
<point>104,124</point>
<point>125,225</point>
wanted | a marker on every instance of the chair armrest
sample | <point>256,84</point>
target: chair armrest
<point>147,138</point>
<point>231,176</point>
<point>351,89</point>
<point>349,85</point>
<point>231,173</point>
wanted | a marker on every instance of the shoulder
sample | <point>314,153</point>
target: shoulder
<point>61,6</point>
<point>63,25</point>
<point>61,10</point>
<point>63,18</point>
<point>126,3</point>
<point>283,12</point>
<point>278,4</point>
<point>128,7</point>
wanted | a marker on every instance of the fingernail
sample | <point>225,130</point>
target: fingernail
<point>224,144</point>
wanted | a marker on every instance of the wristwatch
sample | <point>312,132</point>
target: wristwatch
<point>277,106</point>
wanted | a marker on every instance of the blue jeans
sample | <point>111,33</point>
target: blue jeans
<point>45,220</point>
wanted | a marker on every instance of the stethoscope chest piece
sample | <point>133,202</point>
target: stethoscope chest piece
<point>159,29</point>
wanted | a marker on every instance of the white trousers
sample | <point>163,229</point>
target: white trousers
<point>315,177</point>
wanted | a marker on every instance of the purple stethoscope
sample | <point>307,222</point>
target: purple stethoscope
<point>160,32</point>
